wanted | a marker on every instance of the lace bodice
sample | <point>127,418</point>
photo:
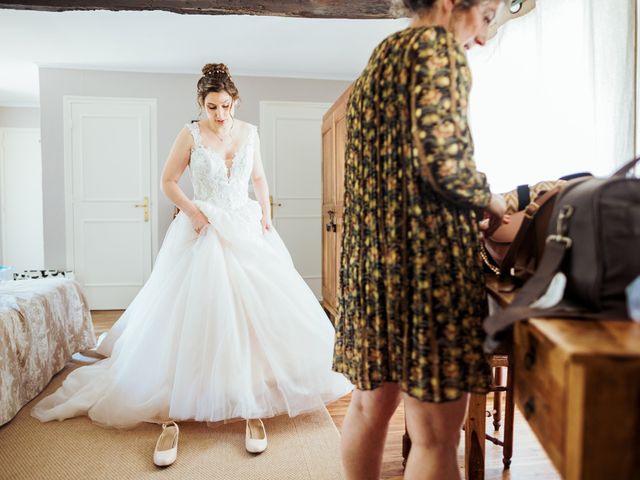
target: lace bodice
<point>212,181</point>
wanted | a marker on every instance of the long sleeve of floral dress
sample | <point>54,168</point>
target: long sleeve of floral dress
<point>439,96</point>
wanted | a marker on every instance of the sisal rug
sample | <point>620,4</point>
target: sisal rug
<point>300,448</point>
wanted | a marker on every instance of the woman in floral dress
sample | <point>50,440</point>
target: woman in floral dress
<point>412,295</point>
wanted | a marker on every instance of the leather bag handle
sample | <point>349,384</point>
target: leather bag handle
<point>527,222</point>
<point>626,168</point>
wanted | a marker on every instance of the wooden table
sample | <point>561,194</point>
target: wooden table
<point>577,382</point>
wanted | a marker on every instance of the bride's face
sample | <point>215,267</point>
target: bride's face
<point>219,107</point>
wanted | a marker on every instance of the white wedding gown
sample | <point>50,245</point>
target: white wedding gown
<point>224,328</point>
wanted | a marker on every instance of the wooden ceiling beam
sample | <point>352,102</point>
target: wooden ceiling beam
<point>364,9</point>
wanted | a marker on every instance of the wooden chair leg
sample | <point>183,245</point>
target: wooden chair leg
<point>474,435</point>
<point>497,397</point>
<point>509,408</point>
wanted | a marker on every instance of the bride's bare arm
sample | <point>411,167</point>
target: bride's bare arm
<point>260,186</point>
<point>173,169</point>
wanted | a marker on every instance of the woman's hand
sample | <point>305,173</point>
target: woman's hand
<point>198,220</point>
<point>485,222</point>
<point>496,212</point>
<point>266,224</point>
<point>497,206</point>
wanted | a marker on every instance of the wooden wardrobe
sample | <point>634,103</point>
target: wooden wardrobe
<point>334,135</point>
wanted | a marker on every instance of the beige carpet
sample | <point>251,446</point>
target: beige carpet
<point>305,447</point>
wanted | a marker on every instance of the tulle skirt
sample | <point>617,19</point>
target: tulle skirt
<point>224,328</point>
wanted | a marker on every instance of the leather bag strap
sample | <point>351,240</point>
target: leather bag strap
<point>531,291</point>
<point>626,168</point>
<point>524,196</point>
<point>527,221</point>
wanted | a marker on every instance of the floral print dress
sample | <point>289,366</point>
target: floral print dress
<point>412,295</point>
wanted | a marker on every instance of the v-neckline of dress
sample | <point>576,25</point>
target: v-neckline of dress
<point>220,156</point>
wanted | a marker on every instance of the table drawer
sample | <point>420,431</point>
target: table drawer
<point>540,389</point>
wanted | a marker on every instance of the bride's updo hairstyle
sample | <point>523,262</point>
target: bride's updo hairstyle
<point>216,78</point>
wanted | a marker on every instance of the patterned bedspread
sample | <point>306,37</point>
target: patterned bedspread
<point>42,324</point>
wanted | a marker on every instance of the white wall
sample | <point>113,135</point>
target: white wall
<point>176,97</point>
<point>21,195</point>
<point>18,117</point>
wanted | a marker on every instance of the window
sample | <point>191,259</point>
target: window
<point>554,93</point>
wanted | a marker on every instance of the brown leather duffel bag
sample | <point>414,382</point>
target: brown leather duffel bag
<point>594,239</point>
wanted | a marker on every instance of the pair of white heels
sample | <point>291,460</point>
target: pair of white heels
<point>166,451</point>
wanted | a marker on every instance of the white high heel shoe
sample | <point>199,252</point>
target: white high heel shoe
<point>255,440</point>
<point>167,446</point>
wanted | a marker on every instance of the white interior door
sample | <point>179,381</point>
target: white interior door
<point>21,198</point>
<point>290,135</point>
<point>109,157</point>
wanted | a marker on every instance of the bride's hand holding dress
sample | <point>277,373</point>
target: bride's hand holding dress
<point>266,224</point>
<point>198,220</point>
<point>261,188</point>
<point>174,168</point>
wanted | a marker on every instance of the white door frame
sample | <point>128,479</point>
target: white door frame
<point>266,124</point>
<point>3,199</point>
<point>68,101</point>
<point>636,98</point>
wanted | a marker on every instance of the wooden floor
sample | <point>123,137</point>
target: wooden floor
<point>529,460</point>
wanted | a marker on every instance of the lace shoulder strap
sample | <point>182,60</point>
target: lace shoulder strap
<point>194,128</point>
<point>253,135</point>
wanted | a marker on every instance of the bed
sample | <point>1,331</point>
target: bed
<point>42,324</point>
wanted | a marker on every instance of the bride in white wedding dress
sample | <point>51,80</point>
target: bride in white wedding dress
<point>225,327</point>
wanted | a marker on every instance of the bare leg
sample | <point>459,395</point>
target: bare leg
<point>365,429</point>
<point>434,429</point>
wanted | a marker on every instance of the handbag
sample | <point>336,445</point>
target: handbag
<point>513,250</point>
<point>594,240</point>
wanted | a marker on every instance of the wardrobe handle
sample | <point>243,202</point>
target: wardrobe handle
<point>331,226</point>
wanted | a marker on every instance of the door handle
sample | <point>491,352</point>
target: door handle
<point>145,205</point>
<point>273,204</point>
